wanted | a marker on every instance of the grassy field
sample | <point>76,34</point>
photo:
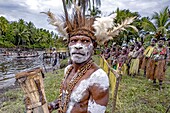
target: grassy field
<point>135,95</point>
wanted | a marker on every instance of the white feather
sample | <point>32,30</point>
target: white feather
<point>57,23</point>
<point>101,26</point>
<point>122,26</point>
<point>105,28</point>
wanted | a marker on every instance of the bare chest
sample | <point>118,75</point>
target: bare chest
<point>80,90</point>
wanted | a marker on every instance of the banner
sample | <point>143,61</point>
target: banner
<point>112,78</point>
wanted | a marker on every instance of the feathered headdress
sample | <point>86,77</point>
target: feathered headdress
<point>98,29</point>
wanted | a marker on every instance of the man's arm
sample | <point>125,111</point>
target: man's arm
<point>99,94</point>
<point>98,100</point>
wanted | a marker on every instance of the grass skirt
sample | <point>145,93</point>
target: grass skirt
<point>144,63</point>
<point>150,67</point>
<point>134,66</point>
<point>160,70</point>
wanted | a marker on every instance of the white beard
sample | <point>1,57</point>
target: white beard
<point>80,55</point>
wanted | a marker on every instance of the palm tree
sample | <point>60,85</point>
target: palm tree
<point>86,4</point>
<point>31,30</point>
<point>3,25</point>
<point>129,33</point>
<point>158,24</point>
<point>21,33</point>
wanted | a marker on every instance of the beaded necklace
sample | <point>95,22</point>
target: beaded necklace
<point>65,95</point>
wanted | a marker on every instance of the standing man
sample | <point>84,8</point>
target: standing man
<point>122,58</point>
<point>147,56</point>
<point>85,87</point>
<point>134,64</point>
<point>159,55</point>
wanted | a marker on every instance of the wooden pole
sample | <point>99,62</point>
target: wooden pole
<point>115,94</point>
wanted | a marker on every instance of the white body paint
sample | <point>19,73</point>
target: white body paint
<point>100,78</point>
<point>78,49</point>
<point>93,107</point>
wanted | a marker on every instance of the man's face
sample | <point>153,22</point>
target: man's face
<point>153,43</point>
<point>123,50</point>
<point>160,43</point>
<point>81,48</point>
<point>131,48</point>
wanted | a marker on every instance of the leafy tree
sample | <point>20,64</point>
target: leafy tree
<point>86,5</point>
<point>158,24</point>
<point>129,33</point>
<point>3,25</point>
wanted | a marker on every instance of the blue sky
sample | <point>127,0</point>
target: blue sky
<point>29,10</point>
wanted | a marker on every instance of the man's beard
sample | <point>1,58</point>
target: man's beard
<point>152,45</point>
<point>160,45</point>
<point>80,55</point>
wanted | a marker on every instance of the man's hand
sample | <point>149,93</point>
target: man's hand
<point>53,105</point>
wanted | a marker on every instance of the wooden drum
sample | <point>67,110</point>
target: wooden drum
<point>31,83</point>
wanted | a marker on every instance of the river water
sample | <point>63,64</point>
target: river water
<point>10,65</point>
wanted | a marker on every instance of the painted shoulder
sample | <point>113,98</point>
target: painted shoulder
<point>100,77</point>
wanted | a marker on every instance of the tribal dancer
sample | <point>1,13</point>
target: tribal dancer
<point>159,55</point>
<point>147,54</point>
<point>140,56</point>
<point>122,58</point>
<point>114,54</point>
<point>130,53</point>
<point>134,65</point>
<point>85,88</point>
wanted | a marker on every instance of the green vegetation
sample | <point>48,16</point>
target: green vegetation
<point>135,95</point>
<point>26,35</point>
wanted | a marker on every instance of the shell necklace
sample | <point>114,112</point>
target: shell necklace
<point>65,94</point>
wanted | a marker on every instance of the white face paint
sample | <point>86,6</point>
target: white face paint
<point>80,52</point>
<point>99,78</point>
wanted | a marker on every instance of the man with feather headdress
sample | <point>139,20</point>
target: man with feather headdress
<point>85,87</point>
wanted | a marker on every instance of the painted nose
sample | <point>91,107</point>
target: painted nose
<point>78,46</point>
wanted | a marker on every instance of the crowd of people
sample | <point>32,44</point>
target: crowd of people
<point>134,59</point>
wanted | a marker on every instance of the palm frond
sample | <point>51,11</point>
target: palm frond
<point>167,24</point>
<point>148,25</point>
